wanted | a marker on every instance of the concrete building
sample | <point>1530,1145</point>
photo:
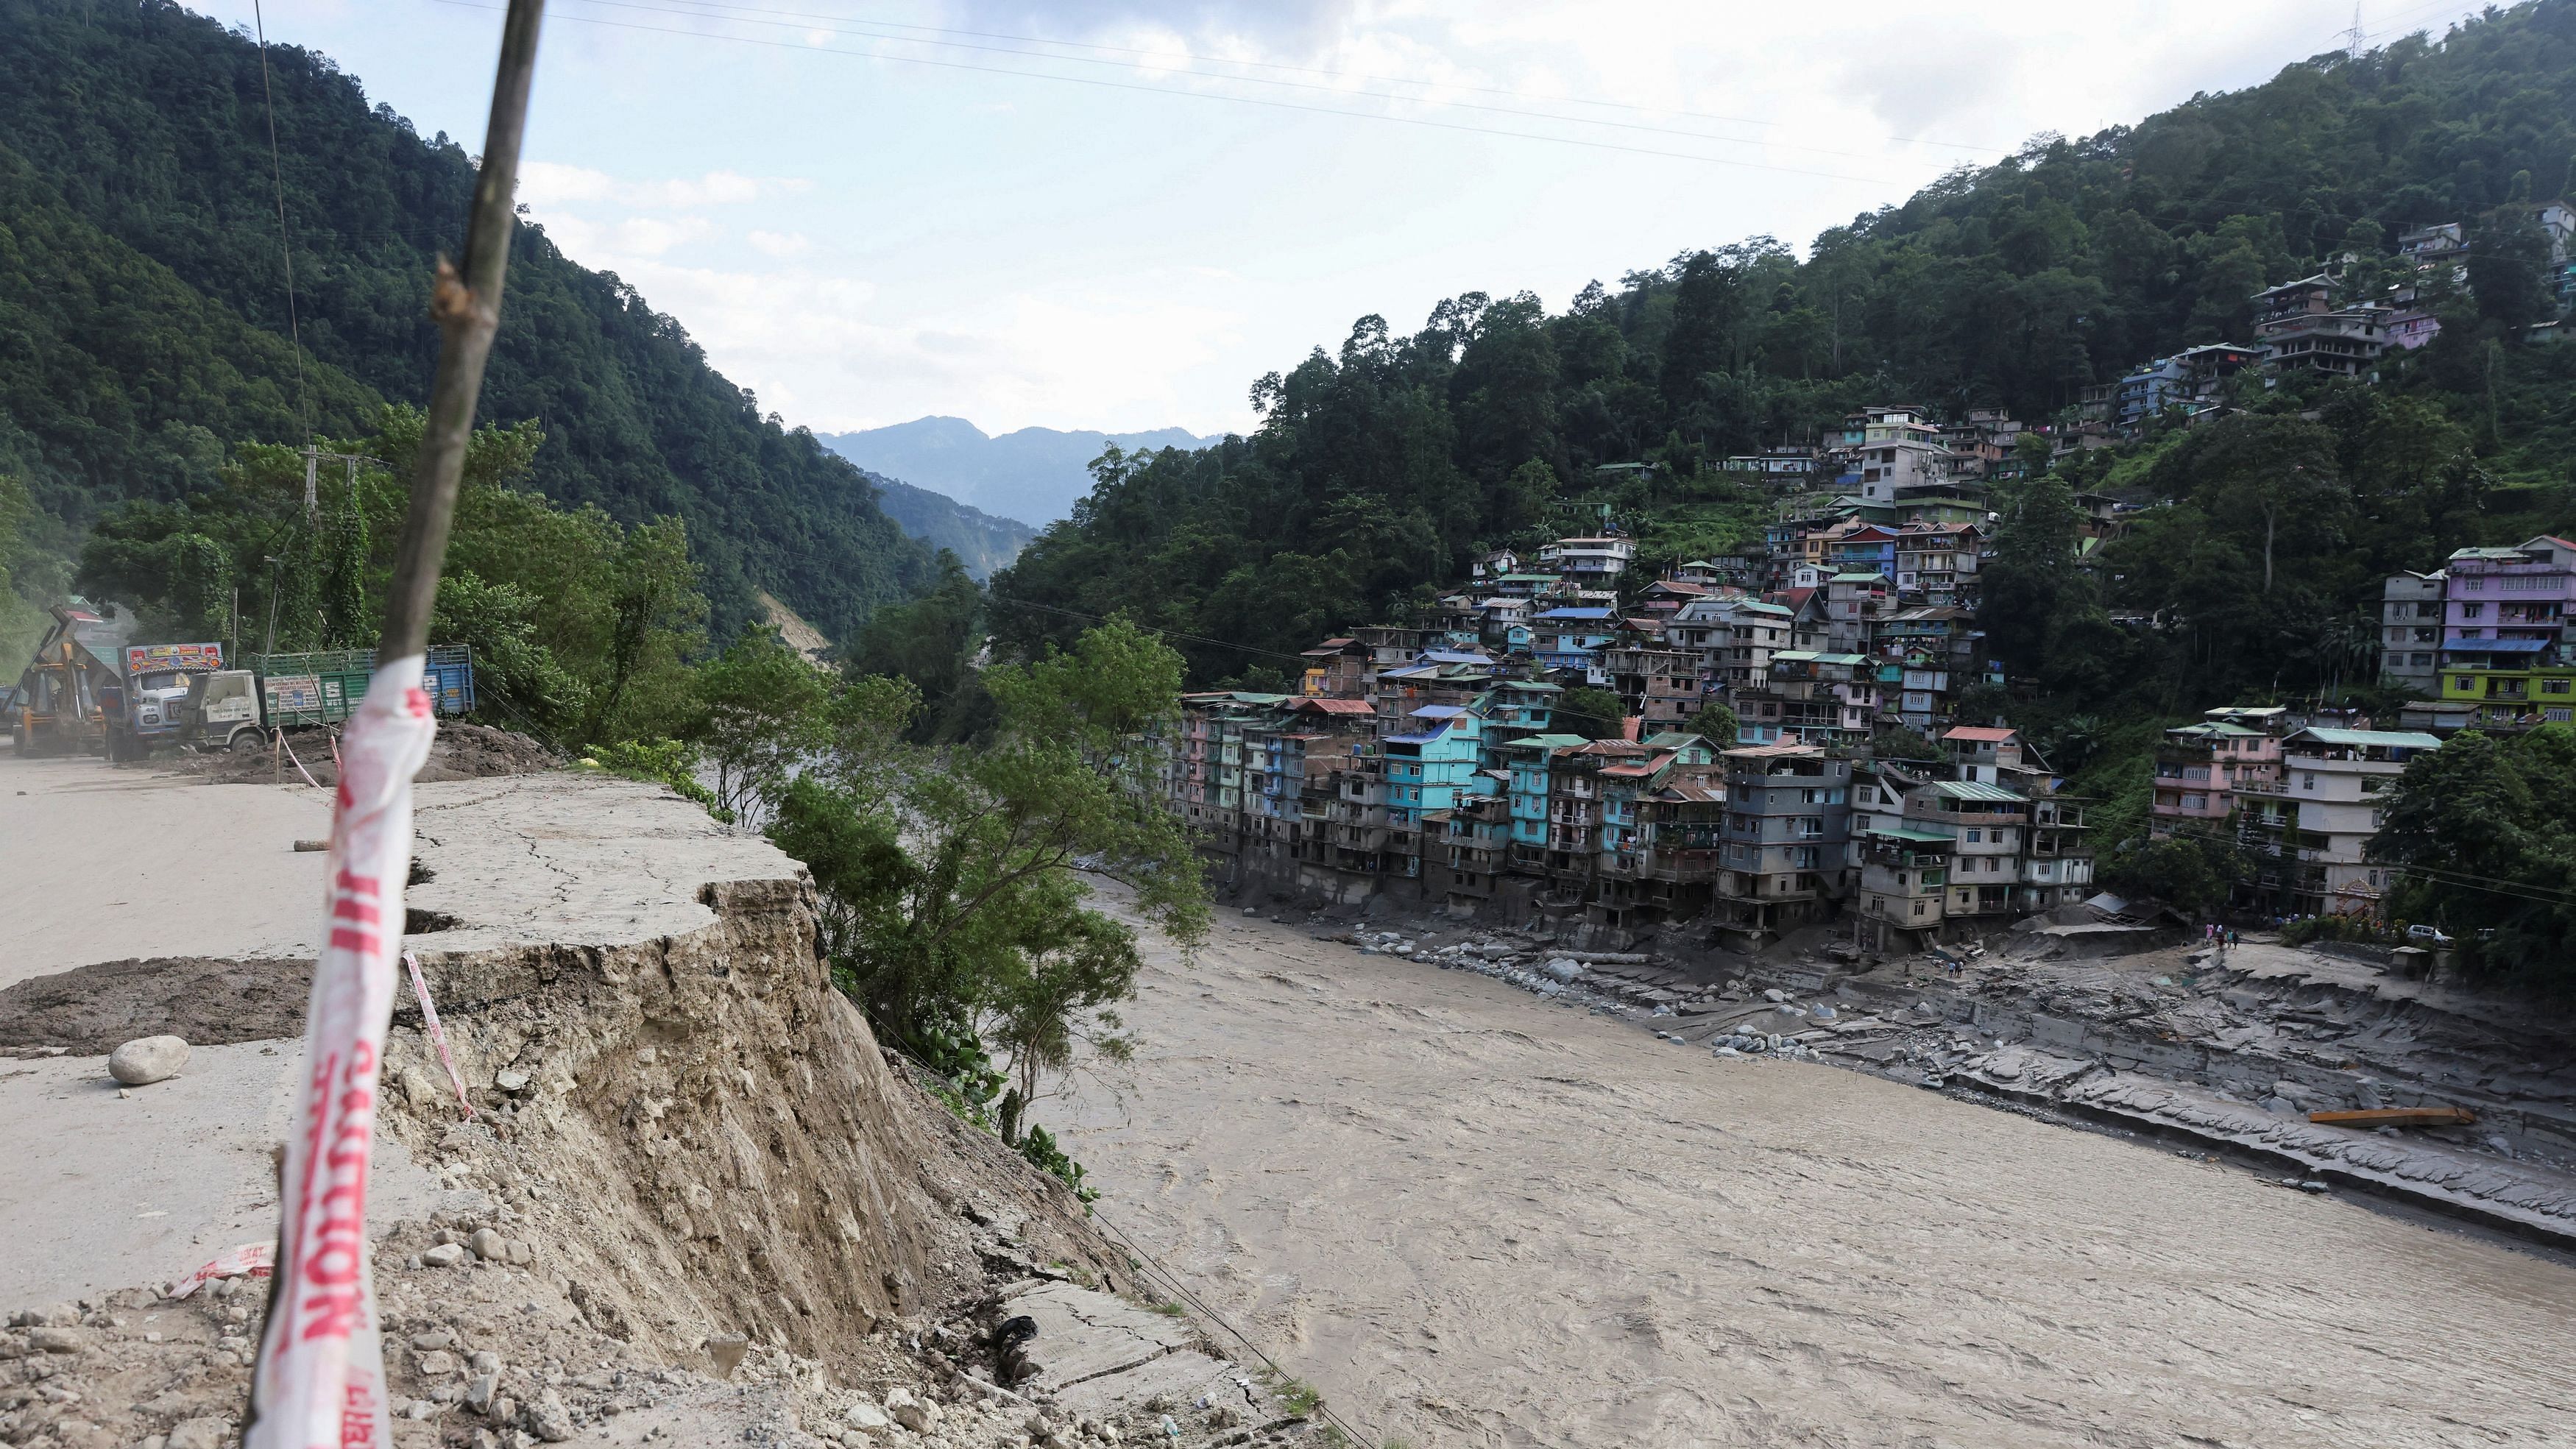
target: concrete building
<point>2410,630</point>
<point>1788,834</point>
<point>2338,779</point>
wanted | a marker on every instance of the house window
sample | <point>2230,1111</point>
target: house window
<point>2472,611</point>
<point>1976,837</point>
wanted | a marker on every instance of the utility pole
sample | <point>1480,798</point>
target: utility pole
<point>467,306</point>
<point>319,1376</point>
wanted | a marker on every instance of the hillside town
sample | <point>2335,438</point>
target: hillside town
<point>1434,761</point>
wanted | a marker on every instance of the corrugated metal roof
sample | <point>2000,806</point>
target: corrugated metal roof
<point>2383,739</point>
<point>1975,790</point>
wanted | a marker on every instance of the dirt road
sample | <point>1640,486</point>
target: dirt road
<point>1475,1219</point>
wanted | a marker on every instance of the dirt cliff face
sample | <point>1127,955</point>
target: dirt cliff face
<point>708,1134</point>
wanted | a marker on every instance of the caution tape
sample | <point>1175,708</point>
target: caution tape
<point>320,1383</point>
<point>437,1034</point>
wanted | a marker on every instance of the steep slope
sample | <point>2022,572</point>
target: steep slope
<point>981,541</point>
<point>147,123</point>
<point>1036,474</point>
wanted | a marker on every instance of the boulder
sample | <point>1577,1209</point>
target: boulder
<point>147,1059</point>
<point>914,1413</point>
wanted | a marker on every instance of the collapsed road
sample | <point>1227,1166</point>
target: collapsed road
<point>693,1203</point>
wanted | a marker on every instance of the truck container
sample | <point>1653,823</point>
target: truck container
<point>236,708</point>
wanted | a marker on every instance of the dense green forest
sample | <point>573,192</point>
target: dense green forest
<point>143,321</point>
<point>1379,468</point>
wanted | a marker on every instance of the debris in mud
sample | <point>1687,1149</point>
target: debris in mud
<point>208,1001</point>
<point>461,752</point>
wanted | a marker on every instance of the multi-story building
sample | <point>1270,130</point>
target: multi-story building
<point>1466,850</point>
<point>2203,769</point>
<point>1788,832</point>
<point>1936,564</point>
<point>2298,325</point>
<point>1589,562</point>
<point>2057,862</point>
<point>1659,685</point>
<point>2509,606</point>
<point>2339,779</point>
<point>2508,701</point>
<point>1526,763</point>
<point>1854,604</point>
<point>1732,638</point>
<point>1572,638</point>
<point>1663,829</point>
<point>2410,630</point>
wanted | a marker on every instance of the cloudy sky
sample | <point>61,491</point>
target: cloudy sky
<point>1117,215</point>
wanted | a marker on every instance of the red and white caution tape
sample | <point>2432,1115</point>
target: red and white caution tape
<point>321,1380</point>
<point>250,1260</point>
<point>299,764</point>
<point>438,1034</point>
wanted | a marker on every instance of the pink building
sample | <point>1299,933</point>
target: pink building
<point>2203,770</point>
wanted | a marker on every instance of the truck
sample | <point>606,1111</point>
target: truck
<point>73,691</point>
<point>158,681</point>
<point>237,708</point>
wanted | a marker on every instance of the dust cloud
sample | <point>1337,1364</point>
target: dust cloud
<point>1471,1218</point>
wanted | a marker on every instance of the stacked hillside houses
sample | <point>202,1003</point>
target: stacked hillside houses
<point>1437,764</point>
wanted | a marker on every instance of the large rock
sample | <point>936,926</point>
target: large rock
<point>147,1059</point>
<point>917,1414</point>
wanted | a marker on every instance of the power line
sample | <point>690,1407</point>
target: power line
<point>1276,105</point>
<point>793,15</point>
<point>742,15</point>
<point>285,250</point>
<point>1319,71</point>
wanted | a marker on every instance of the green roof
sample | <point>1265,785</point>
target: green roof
<point>2385,739</point>
<point>1979,790</point>
<point>1907,833</point>
<point>1838,658</point>
<point>1540,685</point>
<point>1553,742</point>
<point>1528,578</point>
<point>1868,578</point>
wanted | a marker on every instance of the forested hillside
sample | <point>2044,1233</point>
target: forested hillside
<point>1378,468</point>
<point>143,321</point>
<point>981,541</point>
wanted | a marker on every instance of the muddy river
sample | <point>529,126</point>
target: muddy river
<point>1472,1218</point>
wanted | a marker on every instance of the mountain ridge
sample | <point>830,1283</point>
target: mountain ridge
<point>1029,475</point>
<point>147,124</point>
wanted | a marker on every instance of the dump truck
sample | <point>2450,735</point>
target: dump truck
<point>236,708</point>
<point>73,691</point>
<point>159,678</point>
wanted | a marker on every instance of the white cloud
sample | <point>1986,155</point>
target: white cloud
<point>551,183</point>
<point>829,352</point>
<point>779,244</point>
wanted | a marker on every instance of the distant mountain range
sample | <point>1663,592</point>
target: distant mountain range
<point>981,541</point>
<point>1034,475</point>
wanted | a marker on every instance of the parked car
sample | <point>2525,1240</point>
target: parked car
<point>2429,934</point>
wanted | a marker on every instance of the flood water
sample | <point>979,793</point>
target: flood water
<point>1474,1219</point>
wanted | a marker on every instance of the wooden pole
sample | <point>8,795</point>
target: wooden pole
<point>467,306</point>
